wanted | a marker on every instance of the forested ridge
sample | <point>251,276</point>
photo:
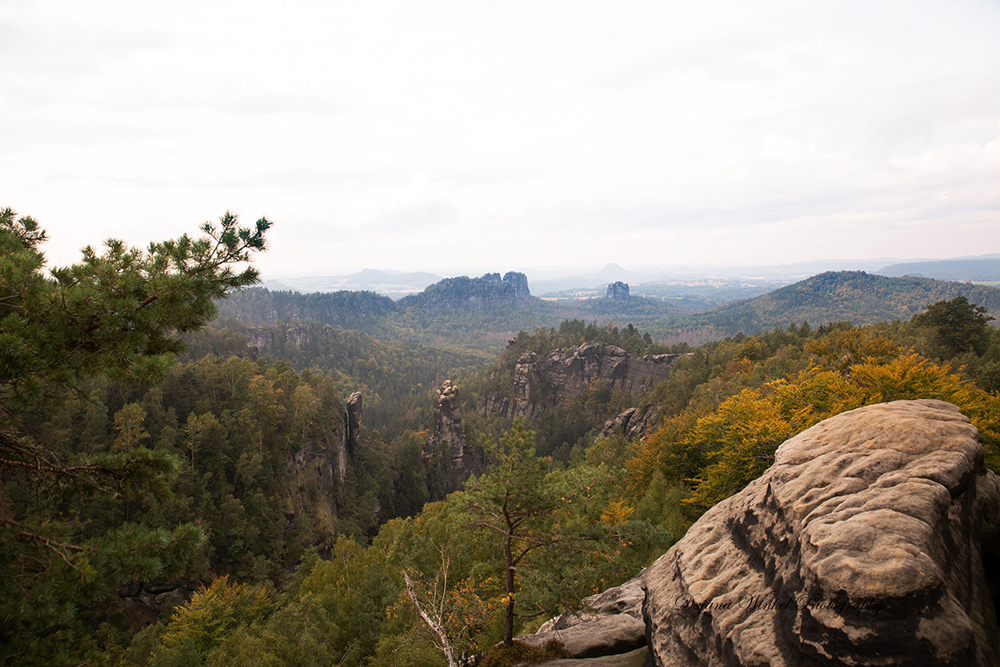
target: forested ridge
<point>442,314</point>
<point>835,296</point>
<point>468,312</point>
<point>396,377</point>
<point>216,509</point>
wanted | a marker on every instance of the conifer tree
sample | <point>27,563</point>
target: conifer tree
<point>532,509</point>
<point>111,314</point>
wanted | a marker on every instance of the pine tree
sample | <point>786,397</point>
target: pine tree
<point>112,314</point>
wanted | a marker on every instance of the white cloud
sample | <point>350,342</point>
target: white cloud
<point>494,135</point>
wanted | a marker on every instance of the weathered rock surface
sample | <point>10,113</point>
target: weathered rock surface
<point>317,472</point>
<point>636,658</point>
<point>540,383</point>
<point>446,449</point>
<point>872,540</point>
<point>617,291</point>
<point>352,421</point>
<point>464,293</point>
<point>143,603</point>
<point>605,635</point>
<point>633,423</point>
<point>624,599</point>
<point>608,630</point>
<point>287,333</point>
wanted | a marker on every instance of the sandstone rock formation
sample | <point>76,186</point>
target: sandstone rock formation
<point>283,333</point>
<point>317,472</point>
<point>352,421</point>
<point>452,462</point>
<point>872,540</point>
<point>617,291</point>
<point>144,602</point>
<point>540,383</point>
<point>633,423</point>
<point>518,284</point>
<point>464,293</point>
<point>347,309</point>
<point>608,630</point>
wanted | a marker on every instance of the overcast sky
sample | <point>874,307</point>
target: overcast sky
<point>471,136</point>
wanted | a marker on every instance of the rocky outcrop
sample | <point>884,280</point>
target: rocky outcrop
<point>317,472</point>
<point>145,602</point>
<point>633,423</point>
<point>518,283</point>
<point>624,599</point>
<point>278,335</point>
<point>464,293</point>
<point>541,383</point>
<point>348,309</point>
<point>352,421</point>
<point>451,461</point>
<point>635,658</point>
<point>608,635</point>
<point>873,540</point>
<point>608,630</point>
<point>617,291</point>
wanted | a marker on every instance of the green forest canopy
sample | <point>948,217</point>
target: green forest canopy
<point>121,466</point>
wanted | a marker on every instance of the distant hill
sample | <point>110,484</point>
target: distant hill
<point>361,311</point>
<point>979,269</point>
<point>394,284</point>
<point>853,296</point>
<point>485,312</point>
<point>482,312</point>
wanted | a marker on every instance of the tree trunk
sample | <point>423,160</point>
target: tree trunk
<point>508,615</point>
<point>433,623</point>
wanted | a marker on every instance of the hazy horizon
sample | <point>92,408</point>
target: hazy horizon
<point>505,136</point>
<point>694,270</point>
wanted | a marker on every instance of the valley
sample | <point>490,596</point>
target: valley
<point>300,482</point>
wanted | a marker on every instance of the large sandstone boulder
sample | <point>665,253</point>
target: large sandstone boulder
<point>872,540</point>
<point>607,635</point>
<point>608,631</point>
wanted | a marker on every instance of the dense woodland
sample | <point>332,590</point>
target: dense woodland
<point>131,467</point>
<point>448,312</point>
<point>844,296</point>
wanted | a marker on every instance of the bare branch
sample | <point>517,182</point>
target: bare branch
<point>433,624</point>
<point>61,549</point>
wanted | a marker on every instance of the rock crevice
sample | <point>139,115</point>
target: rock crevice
<point>864,544</point>
<point>872,540</point>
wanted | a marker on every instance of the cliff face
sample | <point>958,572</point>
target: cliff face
<point>633,423</point>
<point>293,333</point>
<point>316,473</point>
<point>464,293</point>
<point>540,383</point>
<point>452,462</point>
<point>617,291</point>
<point>347,309</point>
<point>873,540</point>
